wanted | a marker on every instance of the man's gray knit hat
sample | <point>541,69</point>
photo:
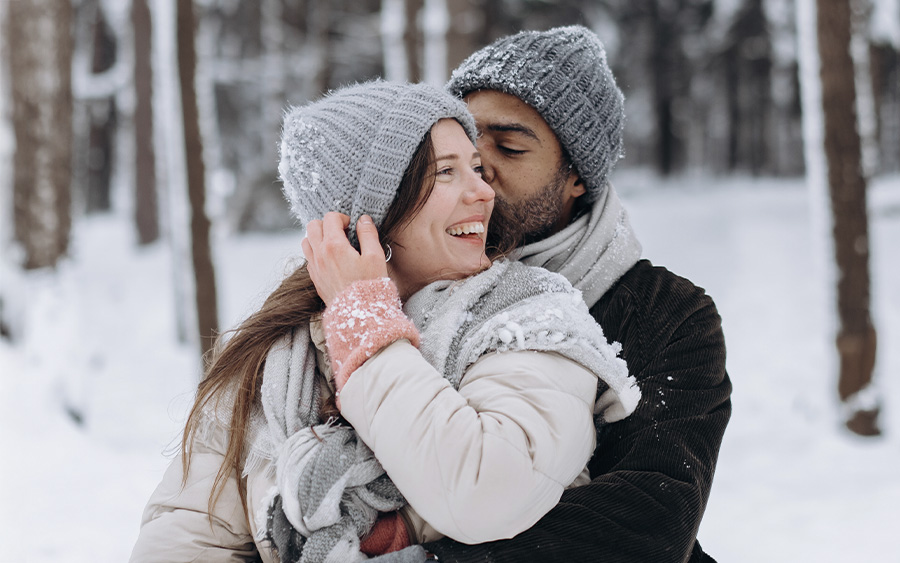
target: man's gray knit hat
<point>564,75</point>
<point>348,151</point>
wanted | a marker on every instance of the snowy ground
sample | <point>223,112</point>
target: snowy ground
<point>98,346</point>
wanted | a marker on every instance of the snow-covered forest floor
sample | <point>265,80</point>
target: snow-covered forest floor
<point>95,391</point>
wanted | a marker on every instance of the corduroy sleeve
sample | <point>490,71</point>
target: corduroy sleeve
<point>653,471</point>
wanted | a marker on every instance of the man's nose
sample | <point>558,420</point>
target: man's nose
<point>487,171</point>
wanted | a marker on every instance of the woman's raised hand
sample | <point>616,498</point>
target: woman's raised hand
<point>333,262</point>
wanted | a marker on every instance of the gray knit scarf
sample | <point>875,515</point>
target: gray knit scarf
<point>329,486</point>
<point>593,252</point>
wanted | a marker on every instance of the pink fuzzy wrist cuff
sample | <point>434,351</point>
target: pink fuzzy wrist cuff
<point>363,319</point>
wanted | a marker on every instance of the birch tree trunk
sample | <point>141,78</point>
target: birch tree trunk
<point>40,49</point>
<point>435,24</point>
<point>401,39</point>
<point>204,274</point>
<point>847,185</point>
<point>393,24</point>
<point>146,205</point>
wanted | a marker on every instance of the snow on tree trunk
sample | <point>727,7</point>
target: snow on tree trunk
<point>847,185</point>
<point>400,38</point>
<point>146,206</point>
<point>865,99</point>
<point>40,57</point>
<point>814,143</point>
<point>435,21</point>
<point>220,182</point>
<point>273,90</point>
<point>393,25</point>
<point>204,274</point>
<point>170,167</point>
<point>12,290</point>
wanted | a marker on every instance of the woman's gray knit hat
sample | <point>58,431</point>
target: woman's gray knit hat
<point>563,74</point>
<point>348,151</point>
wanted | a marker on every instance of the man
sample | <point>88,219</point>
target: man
<point>550,117</point>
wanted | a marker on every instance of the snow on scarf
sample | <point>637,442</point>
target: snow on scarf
<point>329,486</point>
<point>512,306</point>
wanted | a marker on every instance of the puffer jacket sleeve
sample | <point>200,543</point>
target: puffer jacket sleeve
<point>177,524</point>
<point>484,462</point>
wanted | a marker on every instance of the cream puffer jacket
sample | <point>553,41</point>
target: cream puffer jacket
<point>478,464</point>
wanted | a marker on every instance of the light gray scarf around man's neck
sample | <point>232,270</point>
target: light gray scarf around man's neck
<point>592,252</point>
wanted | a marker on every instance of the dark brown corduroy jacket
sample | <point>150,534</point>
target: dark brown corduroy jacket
<point>652,472</point>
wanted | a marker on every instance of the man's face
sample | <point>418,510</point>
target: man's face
<point>523,162</point>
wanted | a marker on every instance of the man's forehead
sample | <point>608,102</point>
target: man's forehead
<point>509,127</point>
<point>499,112</point>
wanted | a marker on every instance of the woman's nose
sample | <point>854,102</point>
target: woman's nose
<point>479,190</point>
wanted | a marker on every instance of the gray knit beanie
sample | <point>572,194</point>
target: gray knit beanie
<point>563,74</point>
<point>348,151</point>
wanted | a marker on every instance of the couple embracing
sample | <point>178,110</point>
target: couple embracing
<point>474,363</point>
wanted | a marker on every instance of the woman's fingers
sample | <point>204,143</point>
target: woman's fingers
<point>314,233</point>
<point>335,225</point>
<point>333,263</point>
<point>308,253</point>
<point>369,243</point>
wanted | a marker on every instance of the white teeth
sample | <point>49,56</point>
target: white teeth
<point>466,229</point>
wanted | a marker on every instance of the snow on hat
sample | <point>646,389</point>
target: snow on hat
<point>348,151</point>
<point>563,74</point>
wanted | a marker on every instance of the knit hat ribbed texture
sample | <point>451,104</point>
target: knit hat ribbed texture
<point>564,75</point>
<point>348,151</point>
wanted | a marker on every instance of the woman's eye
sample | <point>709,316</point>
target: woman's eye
<point>479,170</point>
<point>445,171</point>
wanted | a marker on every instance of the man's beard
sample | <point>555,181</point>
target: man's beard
<point>538,215</point>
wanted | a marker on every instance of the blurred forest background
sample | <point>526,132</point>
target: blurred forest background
<point>140,208</point>
<point>710,85</point>
<point>169,111</point>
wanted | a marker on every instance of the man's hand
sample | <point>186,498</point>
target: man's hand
<point>333,263</point>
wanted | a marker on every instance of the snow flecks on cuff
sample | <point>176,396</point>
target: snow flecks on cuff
<point>363,319</point>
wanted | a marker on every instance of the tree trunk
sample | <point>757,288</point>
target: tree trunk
<point>464,31</point>
<point>204,274</point>
<point>40,49</point>
<point>847,185</point>
<point>435,24</point>
<point>102,113</point>
<point>318,32</point>
<point>146,206</point>
<point>412,39</point>
<point>663,98</point>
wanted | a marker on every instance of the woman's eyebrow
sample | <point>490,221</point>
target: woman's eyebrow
<point>455,156</point>
<point>513,128</point>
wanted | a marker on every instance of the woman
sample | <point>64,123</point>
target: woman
<point>477,398</point>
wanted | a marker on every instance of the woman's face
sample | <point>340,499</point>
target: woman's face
<point>445,239</point>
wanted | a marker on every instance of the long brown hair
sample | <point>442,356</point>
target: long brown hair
<point>238,361</point>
